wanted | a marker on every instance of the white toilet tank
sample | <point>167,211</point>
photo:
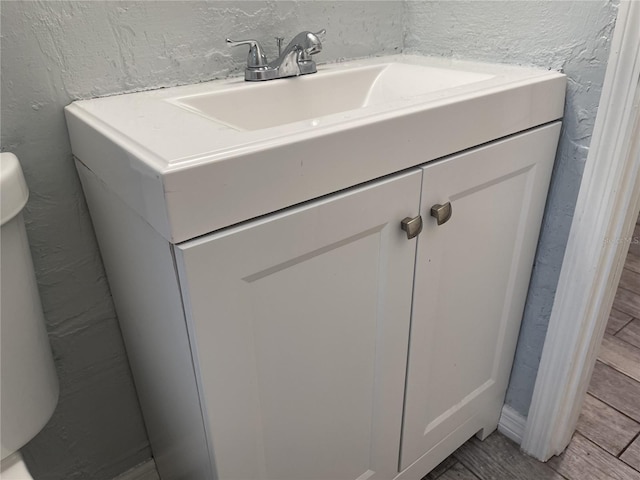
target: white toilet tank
<point>29,385</point>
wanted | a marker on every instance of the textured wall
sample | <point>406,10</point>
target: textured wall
<point>56,52</point>
<point>571,36</point>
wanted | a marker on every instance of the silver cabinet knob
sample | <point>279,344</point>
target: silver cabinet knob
<point>442,213</point>
<point>413,226</point>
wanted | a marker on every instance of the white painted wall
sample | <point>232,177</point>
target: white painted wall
<point>571,36</point>
<point>56,52</point>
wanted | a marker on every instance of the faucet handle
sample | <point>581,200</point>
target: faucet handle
<point>320,33</point>
<point>256,57</point>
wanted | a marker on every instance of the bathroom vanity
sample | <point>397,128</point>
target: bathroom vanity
<point>321,277</point>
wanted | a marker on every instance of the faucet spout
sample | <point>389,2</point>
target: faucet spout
<point>295,59</point>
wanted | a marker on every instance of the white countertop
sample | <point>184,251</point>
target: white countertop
<point>166,161</point>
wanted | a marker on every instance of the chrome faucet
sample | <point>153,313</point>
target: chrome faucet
<point>294,60</point>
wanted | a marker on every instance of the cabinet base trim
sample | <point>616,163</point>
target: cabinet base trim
<point>512,424</point>
<point>430,460</point>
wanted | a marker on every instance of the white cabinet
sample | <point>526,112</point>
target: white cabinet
<point>300,322</point>
<point>319,342</point>
<point>472,275</point>
<point>278,321</point>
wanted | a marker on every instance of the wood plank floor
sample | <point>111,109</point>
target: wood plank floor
<point>606,444</point>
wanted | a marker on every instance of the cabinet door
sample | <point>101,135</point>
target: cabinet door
<point>299,325</point>
<point>472,275</point>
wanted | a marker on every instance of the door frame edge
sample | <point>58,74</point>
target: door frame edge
<point>606,211</point>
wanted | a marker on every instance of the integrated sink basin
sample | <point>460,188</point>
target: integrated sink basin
<point>197,158</point>
<point>254,106</point>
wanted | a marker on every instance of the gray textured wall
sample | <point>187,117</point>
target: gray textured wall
<point>572,36</point>
<point>56,52</point>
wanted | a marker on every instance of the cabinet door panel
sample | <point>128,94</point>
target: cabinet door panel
<point>472,275</point>
<point>299,325</point>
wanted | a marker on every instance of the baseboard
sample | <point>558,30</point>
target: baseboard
<point>144,471</point>
<point>511,424</point>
